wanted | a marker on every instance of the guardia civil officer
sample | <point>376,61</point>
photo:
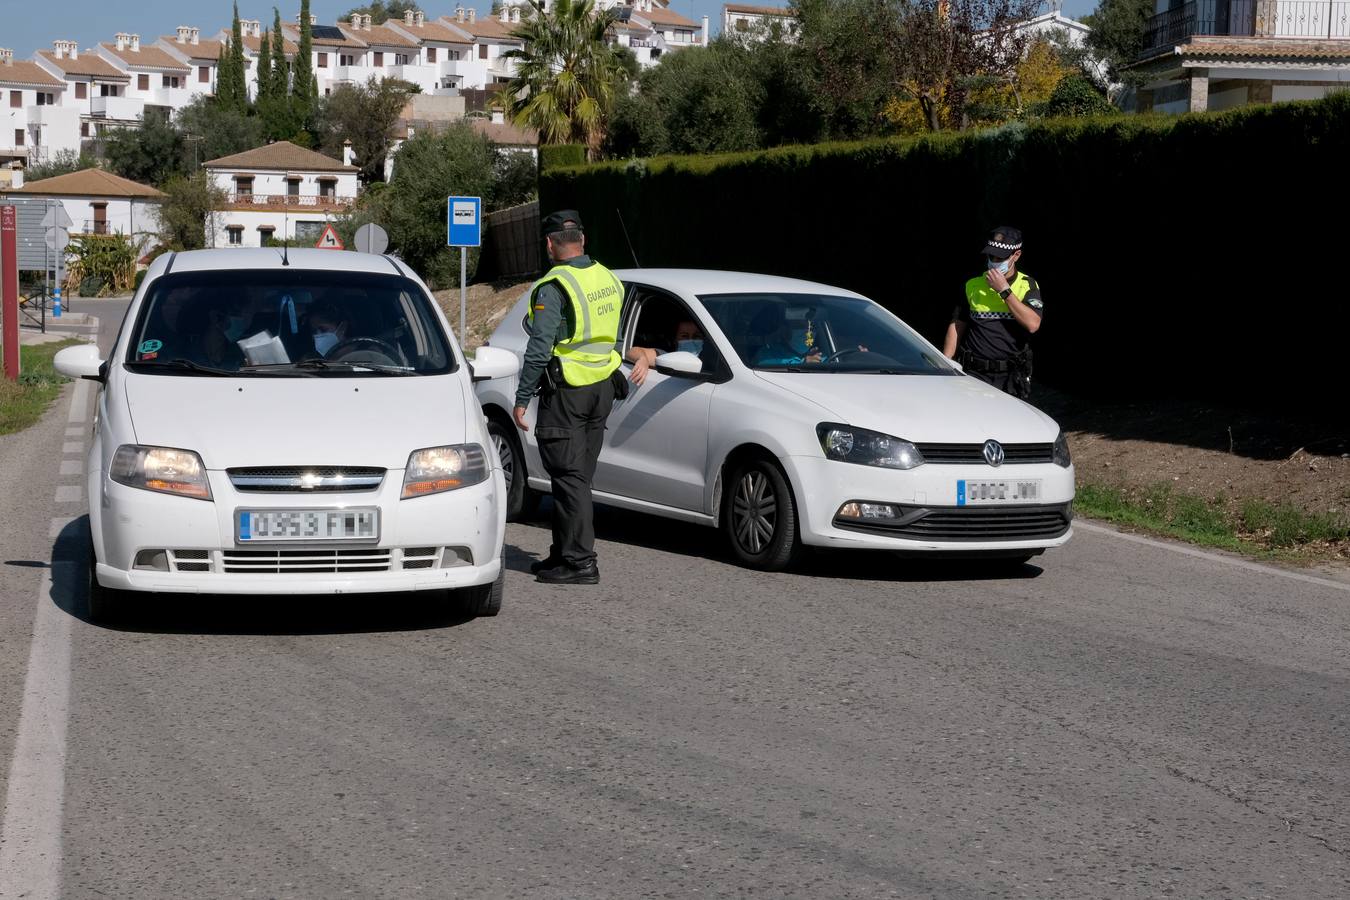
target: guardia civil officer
<point>572,362</point>
<point>989,333</point>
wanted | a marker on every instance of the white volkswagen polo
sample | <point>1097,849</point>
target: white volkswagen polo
<point>290,424</point>
<point>790,413</point>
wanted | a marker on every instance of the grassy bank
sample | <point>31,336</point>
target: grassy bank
<point>1243,525</point>
<point>22,403</point>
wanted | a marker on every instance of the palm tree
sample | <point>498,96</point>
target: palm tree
<point>566,74</point>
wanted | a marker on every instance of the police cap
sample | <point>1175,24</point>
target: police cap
<point>561,220</point>
<point>1003,242</point>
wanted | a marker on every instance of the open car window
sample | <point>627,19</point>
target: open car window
<point>286,322</point>
<point>665,324</point>
<point>820,333</point>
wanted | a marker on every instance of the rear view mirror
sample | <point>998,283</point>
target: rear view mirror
<point>679,363</point>
<point>79,362</point>
<point>493,362</point>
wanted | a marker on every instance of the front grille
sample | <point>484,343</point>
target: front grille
<point>420,557</point>
<point>305,479</point>
<point>276,562</point>
<point>993,523</point>
<point>191,560</point>
<point>973,454</point>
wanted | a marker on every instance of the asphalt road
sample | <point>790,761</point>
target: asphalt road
<point>1123,719</point>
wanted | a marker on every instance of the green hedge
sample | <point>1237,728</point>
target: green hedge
<point>1177,254</point>
<point>552,156</point>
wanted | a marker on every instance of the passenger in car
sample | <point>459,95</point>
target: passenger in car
<point>687,337</point>
<point>771,340</point>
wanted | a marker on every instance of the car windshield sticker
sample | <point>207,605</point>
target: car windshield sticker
<point>150,349</point>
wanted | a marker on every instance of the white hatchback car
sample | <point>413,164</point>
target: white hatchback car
<point>806,414</point>
<point>299,424</point>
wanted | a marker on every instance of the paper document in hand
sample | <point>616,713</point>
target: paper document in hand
<point>263,349</point>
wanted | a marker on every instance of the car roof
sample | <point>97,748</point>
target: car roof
<point>271,258</point>
<point>711,281</point>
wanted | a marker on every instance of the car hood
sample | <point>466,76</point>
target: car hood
<point>297,421</point>
<point>932,409</point>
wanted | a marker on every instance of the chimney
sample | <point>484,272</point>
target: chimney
<point>473,15</point>
<point>72,49</point>
<point>6,56</point>
<point>515,14</point>
<point>356,21</point>
<point>419,18</point>
<point>365,22</point>
<point>135,43</point>
<point>313,20</point>
<point>506,14</point>
<point>16,175</point>
<point>196,35</point>
<point>58,49</point>
<point>184,33</point>
<point>347,157</point>
<point>407,17</point>
<point>704,41</point>
<point>121,38</point>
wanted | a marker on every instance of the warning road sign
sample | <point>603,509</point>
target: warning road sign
<point>329,240</point>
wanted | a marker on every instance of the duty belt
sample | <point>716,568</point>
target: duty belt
<point>988,366</point>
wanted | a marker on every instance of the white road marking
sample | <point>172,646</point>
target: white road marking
<point>72,466</point>
<point>70,447</point>
<point>30,833</point>
<point>1212,557</point>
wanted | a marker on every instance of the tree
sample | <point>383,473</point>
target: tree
<point>366,115</point>
<point>381,12</point>
<point>1117,34</point>
<point>304,91</point>
<point>187,213</point>
<point>1075,95</point>
<point>515,180</point>
<point>232,83</point>
<point>412,207</point>
<point>150,154</point>
<point>62,162</point>
<point>564,86</point>
<point>211,130</point>
<point>275,106</point>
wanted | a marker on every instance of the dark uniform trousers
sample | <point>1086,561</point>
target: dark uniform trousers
<point>1012,376</point>
<point>571,428</point>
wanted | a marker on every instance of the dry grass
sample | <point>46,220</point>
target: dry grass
<point>486,307</point>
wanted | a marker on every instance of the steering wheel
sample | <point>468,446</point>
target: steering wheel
<point>368,349</point>
<point>839,354</point>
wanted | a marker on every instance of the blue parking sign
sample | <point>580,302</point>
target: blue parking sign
<point>464,221</point>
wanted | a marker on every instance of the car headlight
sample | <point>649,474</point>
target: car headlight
<point>161,469</point>
<point>438,469</point>
<point>867,448</point>
<point>1061,452</point>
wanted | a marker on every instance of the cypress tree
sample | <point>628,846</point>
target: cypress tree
<point>302,77</point>
<point>265,82</point>
<point>232,86</point>
<point>281,70</point>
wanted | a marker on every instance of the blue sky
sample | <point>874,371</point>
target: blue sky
<point>26,28</point>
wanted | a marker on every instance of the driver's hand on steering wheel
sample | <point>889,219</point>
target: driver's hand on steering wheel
<point>813,357</point>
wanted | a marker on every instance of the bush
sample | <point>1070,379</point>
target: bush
<point>101,264</point>
<point>1076,96</point>
<point>551,156</point>
<point>1137,303</point>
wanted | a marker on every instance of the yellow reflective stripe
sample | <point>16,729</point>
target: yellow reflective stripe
<point>578,300</point>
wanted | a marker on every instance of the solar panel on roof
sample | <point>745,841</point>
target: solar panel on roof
<point>625,13</point>
<point>327,32</point>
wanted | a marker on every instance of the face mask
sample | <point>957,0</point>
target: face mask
<point>694,346</point>
<point>1001,266</point>
<point>325,341</point>
<point>234,327</point>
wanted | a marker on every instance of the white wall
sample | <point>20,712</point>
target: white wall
<point>284,226</point>
<point>129,217</point>
<point>275,182</point>
<point>1302,91</point>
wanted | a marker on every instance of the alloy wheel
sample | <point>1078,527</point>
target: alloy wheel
<point>754,512</point>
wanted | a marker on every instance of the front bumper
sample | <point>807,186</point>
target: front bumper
<point>930,518</point>
<point>448,540</point>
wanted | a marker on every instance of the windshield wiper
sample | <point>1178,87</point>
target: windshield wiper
<point>321,364</point>
<point>187,365</point>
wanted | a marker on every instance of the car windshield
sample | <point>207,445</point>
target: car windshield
<point>820,333</point>
<point>288,323</point>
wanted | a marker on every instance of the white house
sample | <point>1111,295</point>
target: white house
<point>447,53</point>
<point>278,192</point>
<point>94,87</point>
<point>338,55</point>
<point>156,79</point>
<point>757,23</point>
<point>1215,54</point>
<point>490,39</point>
<point>100,202</point>
<point>33,122</point>
<point>202,57</point>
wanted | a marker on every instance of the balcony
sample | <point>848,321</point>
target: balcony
<point>416,74</point>
<point>1307,19</point>
<point>122,108</point>
<point>266,202</point>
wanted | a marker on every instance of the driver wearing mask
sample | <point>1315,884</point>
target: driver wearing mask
<point>328,328</point>
<point>688,339</point>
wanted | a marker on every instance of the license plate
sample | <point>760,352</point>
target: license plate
<point>266,525</point>
<point>974,493</point>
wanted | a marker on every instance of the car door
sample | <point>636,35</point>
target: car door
<point>656,441</point>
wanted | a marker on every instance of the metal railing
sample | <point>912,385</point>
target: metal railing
<point>1326,19</point>
<point>310,201</point>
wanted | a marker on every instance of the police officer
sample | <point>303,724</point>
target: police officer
<point>990,332</point>
<point>572,361</point>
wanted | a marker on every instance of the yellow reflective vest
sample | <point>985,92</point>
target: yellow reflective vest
<point>596,294</point>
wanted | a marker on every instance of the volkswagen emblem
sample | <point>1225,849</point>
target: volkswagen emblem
<point>993,453</point>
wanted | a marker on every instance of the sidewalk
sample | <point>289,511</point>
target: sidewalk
<point>72,324</point>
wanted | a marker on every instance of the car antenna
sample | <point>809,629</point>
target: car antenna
<point>285,241</point>
<point>636,264</point>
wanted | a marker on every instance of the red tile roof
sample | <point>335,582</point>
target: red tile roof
<point>87,64</point>
<point>22,71</point>
<point>1265,48</point>
<point>281,156</point>
<point>204,49</point>
<point>435,31</point>
<point>148,57</point>
<point>88,183</point>
<point>758,10</point>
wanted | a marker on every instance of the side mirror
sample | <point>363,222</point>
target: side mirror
<point>493,362</point>
<point>80,362</point>
<point>679,363</point>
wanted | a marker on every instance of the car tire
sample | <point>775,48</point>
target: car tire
<point>759,516</point>
<point>521,501</point>
<point>484,600</point>
<point>104,604</point>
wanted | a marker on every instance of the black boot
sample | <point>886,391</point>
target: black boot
<point>548,562</point>
<point>566,574</point>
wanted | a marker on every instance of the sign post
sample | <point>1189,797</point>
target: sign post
<point>56,224</point>
<point>9,287</point>
<point>464,229</point>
